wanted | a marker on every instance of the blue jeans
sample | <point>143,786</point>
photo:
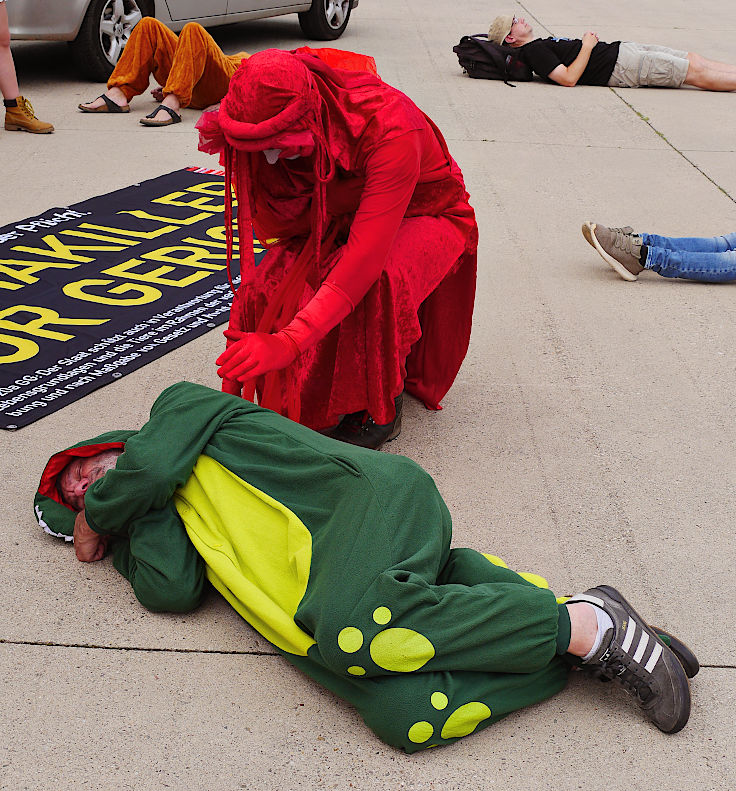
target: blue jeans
<point>712,260</point>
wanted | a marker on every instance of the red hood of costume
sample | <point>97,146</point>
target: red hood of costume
<point>57,463</point>
<point>274,98</point>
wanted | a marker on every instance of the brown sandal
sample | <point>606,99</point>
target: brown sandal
<point>108,107</point>
<point>175,117</point>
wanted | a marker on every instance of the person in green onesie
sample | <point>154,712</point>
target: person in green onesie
<point>340,556</point>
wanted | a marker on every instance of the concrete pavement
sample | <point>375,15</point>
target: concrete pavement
<point>589,436</point>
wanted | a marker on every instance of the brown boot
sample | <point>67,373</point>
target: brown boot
<point>22,119</point>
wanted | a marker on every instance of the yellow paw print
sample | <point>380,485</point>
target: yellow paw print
<point>397,649</point>
<point>461,722</point>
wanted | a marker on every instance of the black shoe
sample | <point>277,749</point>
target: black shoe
<point>359,428</point>
<point>633,655</point>
<point>684,655</point>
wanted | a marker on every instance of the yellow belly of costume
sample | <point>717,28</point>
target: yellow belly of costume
<point>258,553</point>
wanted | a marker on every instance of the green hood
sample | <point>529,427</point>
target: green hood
<point>53,515</point>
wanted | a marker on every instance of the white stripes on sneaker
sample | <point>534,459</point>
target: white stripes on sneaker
<point>653,658</point>
<point>642,647</point>
<point>645,647</point>
<point>633,630</point>
<point>629,636</point>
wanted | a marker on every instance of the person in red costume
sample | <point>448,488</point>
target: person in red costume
<point>369,288</point>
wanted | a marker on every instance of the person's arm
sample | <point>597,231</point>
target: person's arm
<point>163,567</point>
<point>159,458</point>
<point>569,75</point>
<point>392,172</point>
<point>158,559</point>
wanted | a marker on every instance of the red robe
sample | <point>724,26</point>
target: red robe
<point>398,237</point>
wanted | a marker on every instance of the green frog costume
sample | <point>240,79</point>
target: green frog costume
<point>339,556</point>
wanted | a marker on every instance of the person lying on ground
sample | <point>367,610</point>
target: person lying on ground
<point>19,115</point>
<point>620,64</point>
<point>708,259</point>
<point>192,71</point>
<point>340,557</point>
<point>368,286</point>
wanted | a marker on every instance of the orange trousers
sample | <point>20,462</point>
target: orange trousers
<point>189,65</point>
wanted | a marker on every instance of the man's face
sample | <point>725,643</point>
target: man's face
<point>520,29</point>
<point>77,477</point>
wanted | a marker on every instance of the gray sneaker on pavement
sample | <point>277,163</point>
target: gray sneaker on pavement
<point>620,248</point>
<point>632,655</point>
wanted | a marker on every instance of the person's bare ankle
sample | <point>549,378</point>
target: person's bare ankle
<point>583,628</point>
<point>172,100</point>
<point>116,95</point>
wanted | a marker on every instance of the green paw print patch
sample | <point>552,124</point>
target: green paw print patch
<point>463,721</point>
<point>404,651</point>
<point>397,649</point>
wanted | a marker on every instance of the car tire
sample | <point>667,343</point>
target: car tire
<point>326,19</point>
<point>104,31</point>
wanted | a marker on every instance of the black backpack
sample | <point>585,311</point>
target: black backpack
<point>485,60</point>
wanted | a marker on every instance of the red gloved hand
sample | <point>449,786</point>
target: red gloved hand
<point>253,354</point>
<point>233,387</point>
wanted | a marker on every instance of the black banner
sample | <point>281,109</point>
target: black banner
<point>91,292</point>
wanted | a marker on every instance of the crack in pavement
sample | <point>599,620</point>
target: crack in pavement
<point>218,651</point>
<point>215,651</point>
<point>646,121</point>
<point>687,159</point>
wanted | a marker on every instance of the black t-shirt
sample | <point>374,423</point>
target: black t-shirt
<point>543,55</point>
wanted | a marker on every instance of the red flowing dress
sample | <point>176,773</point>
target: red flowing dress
<point>396,236</point>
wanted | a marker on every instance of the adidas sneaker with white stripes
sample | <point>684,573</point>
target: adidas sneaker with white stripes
<point>632,655</point>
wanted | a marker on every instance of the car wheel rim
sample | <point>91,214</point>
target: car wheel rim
<point>336,12</point>
<point>118,18</point>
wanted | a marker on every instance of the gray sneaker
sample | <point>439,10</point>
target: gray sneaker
<point>632,655</point>
<point>620,248</point>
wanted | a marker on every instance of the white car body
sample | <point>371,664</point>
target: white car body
<point>97,30</point>
<point>60,20</point>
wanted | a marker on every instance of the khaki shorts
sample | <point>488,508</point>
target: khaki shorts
<point>648,65</point>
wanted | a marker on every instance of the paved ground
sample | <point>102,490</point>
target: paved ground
<point>588,437</point>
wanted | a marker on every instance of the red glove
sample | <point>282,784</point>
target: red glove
<point>327,308</point>
<point>233,387</point>
<point>253,354</point>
